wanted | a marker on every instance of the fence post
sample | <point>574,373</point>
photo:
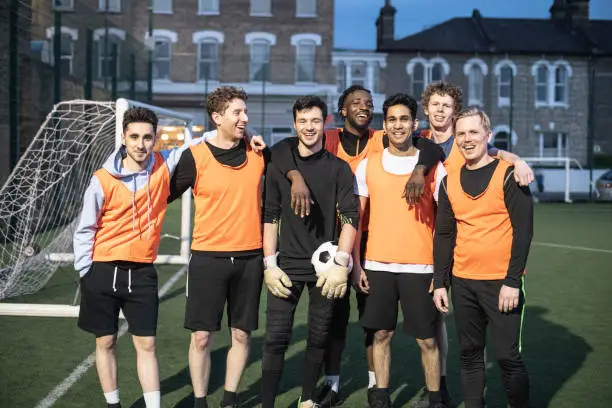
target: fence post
<point>57,56</point>
<point>113,71</point>
<point>89,64</point>
<point>14,100</point>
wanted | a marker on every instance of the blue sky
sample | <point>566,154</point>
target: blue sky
<point>355,19</point>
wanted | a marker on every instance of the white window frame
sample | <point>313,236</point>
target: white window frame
<point>302,14</point>
<point>512,138</point>
<point>254,38</point>
<point>213,11</point>
<point>208,36</point>
<point>505,100</point>
<point>562,147</point>
<point>428,66</point>
<point>568,74</point>
<point>63,7</point>
<point>267,13</point>
<point>551,84</point>
<point>168,58</point>
<point>158,10</point>
<point>468,69</point>
<point>311,39</point>
<point>114,6</point>
<point>341,76</point>
<point>98,36</point>
<point>73,33</point>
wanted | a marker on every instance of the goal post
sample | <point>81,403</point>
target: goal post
<point>42,198</point>
<point>558,175</point>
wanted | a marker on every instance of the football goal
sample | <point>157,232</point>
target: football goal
<point>42,198</point>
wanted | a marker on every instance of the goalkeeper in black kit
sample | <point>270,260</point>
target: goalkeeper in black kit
<point>331,182</point>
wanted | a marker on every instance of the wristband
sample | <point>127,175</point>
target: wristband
<point>342,258</point>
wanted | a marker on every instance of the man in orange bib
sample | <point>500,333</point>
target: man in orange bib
<point>399,251</point>
<point>483,234</point>
<point>226,265</point>
<point>115,245</point>
<point>353,143</point>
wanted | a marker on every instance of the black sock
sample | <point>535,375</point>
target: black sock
<point>117,405</point>
<point>200,402</point>
<point>229,398</point>
<point>434,397</point>
<point>443,382</point>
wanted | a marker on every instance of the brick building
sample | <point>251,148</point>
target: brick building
<point>537,78</point>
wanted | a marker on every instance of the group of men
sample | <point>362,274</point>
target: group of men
<point>433,209</point>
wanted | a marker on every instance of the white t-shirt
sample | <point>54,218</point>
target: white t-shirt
<point>399,165</point>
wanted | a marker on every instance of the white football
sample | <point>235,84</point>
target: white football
<point>323,257</point>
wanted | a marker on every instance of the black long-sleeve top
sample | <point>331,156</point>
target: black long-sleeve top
<point>330,181</point>
<point>520,209</point>
<point>352,144</point>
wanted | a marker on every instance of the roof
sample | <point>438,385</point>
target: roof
<point>505,35</point>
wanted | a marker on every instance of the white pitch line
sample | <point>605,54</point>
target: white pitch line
<point>578,248</point>
<point>63,387</point>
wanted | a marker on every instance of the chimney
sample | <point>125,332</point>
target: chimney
<point>385,26</point>
<point>558,11</point>
<point>573,12</point>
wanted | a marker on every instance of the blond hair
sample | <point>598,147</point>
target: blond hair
<point>484,118</point>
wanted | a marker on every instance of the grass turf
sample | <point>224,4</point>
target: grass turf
<point>566,338</point>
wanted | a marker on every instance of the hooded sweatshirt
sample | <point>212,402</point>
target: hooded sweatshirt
<point>128,228</point>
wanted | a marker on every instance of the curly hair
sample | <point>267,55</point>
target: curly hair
<point>346,93</point>
<point>144,115</point>
<point>219,100</point>
<point>442,88</point>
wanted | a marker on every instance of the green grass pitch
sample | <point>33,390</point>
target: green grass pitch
<point>566,339</point>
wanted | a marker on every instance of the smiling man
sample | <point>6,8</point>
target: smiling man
<point>331,182</point>
<point>226,266</point>
<point>483,234</point>
<point>398,261</point>
<point>115,245</point>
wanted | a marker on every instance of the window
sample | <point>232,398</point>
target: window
<point>376,77</point>
<point>305,61</point>
<point>261,7</point>
<point>418,79</point>
<point>106,48</point>
<point>501,140</point>
<point>542,84</point>
<point>208,60</point>
<point>161,58</point>
<point>260,60</point>
<point>475,85</point>
<point>423,72</point>
<point>358,73</point>
<point>553,144</point>
<point>66,54</point>
<point>113,6</point>
<point>162,6</point>
<point>306,8</point>
<point>561,85</point>
<point>208,7</point>
<point>63,5</point>
<point>341,76</point>
<point>505,83</point>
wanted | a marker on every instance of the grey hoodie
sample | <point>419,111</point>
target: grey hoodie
<point>93,201</point>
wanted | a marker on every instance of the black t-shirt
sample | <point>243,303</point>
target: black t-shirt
<point>330,181</point>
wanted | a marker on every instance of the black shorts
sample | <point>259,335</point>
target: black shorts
<point>213,281</point>
<point>412,291</point>
<point>112,286</point>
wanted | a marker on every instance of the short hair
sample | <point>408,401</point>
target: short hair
<point>484,118</point>
<point>401,99</point>
<point>346,93</point>
<point>219,99</point>
<point>308,102</point>
<point>145,115</point>
<point>442,88</point>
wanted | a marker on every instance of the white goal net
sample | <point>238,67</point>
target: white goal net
<point>42,198</point>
